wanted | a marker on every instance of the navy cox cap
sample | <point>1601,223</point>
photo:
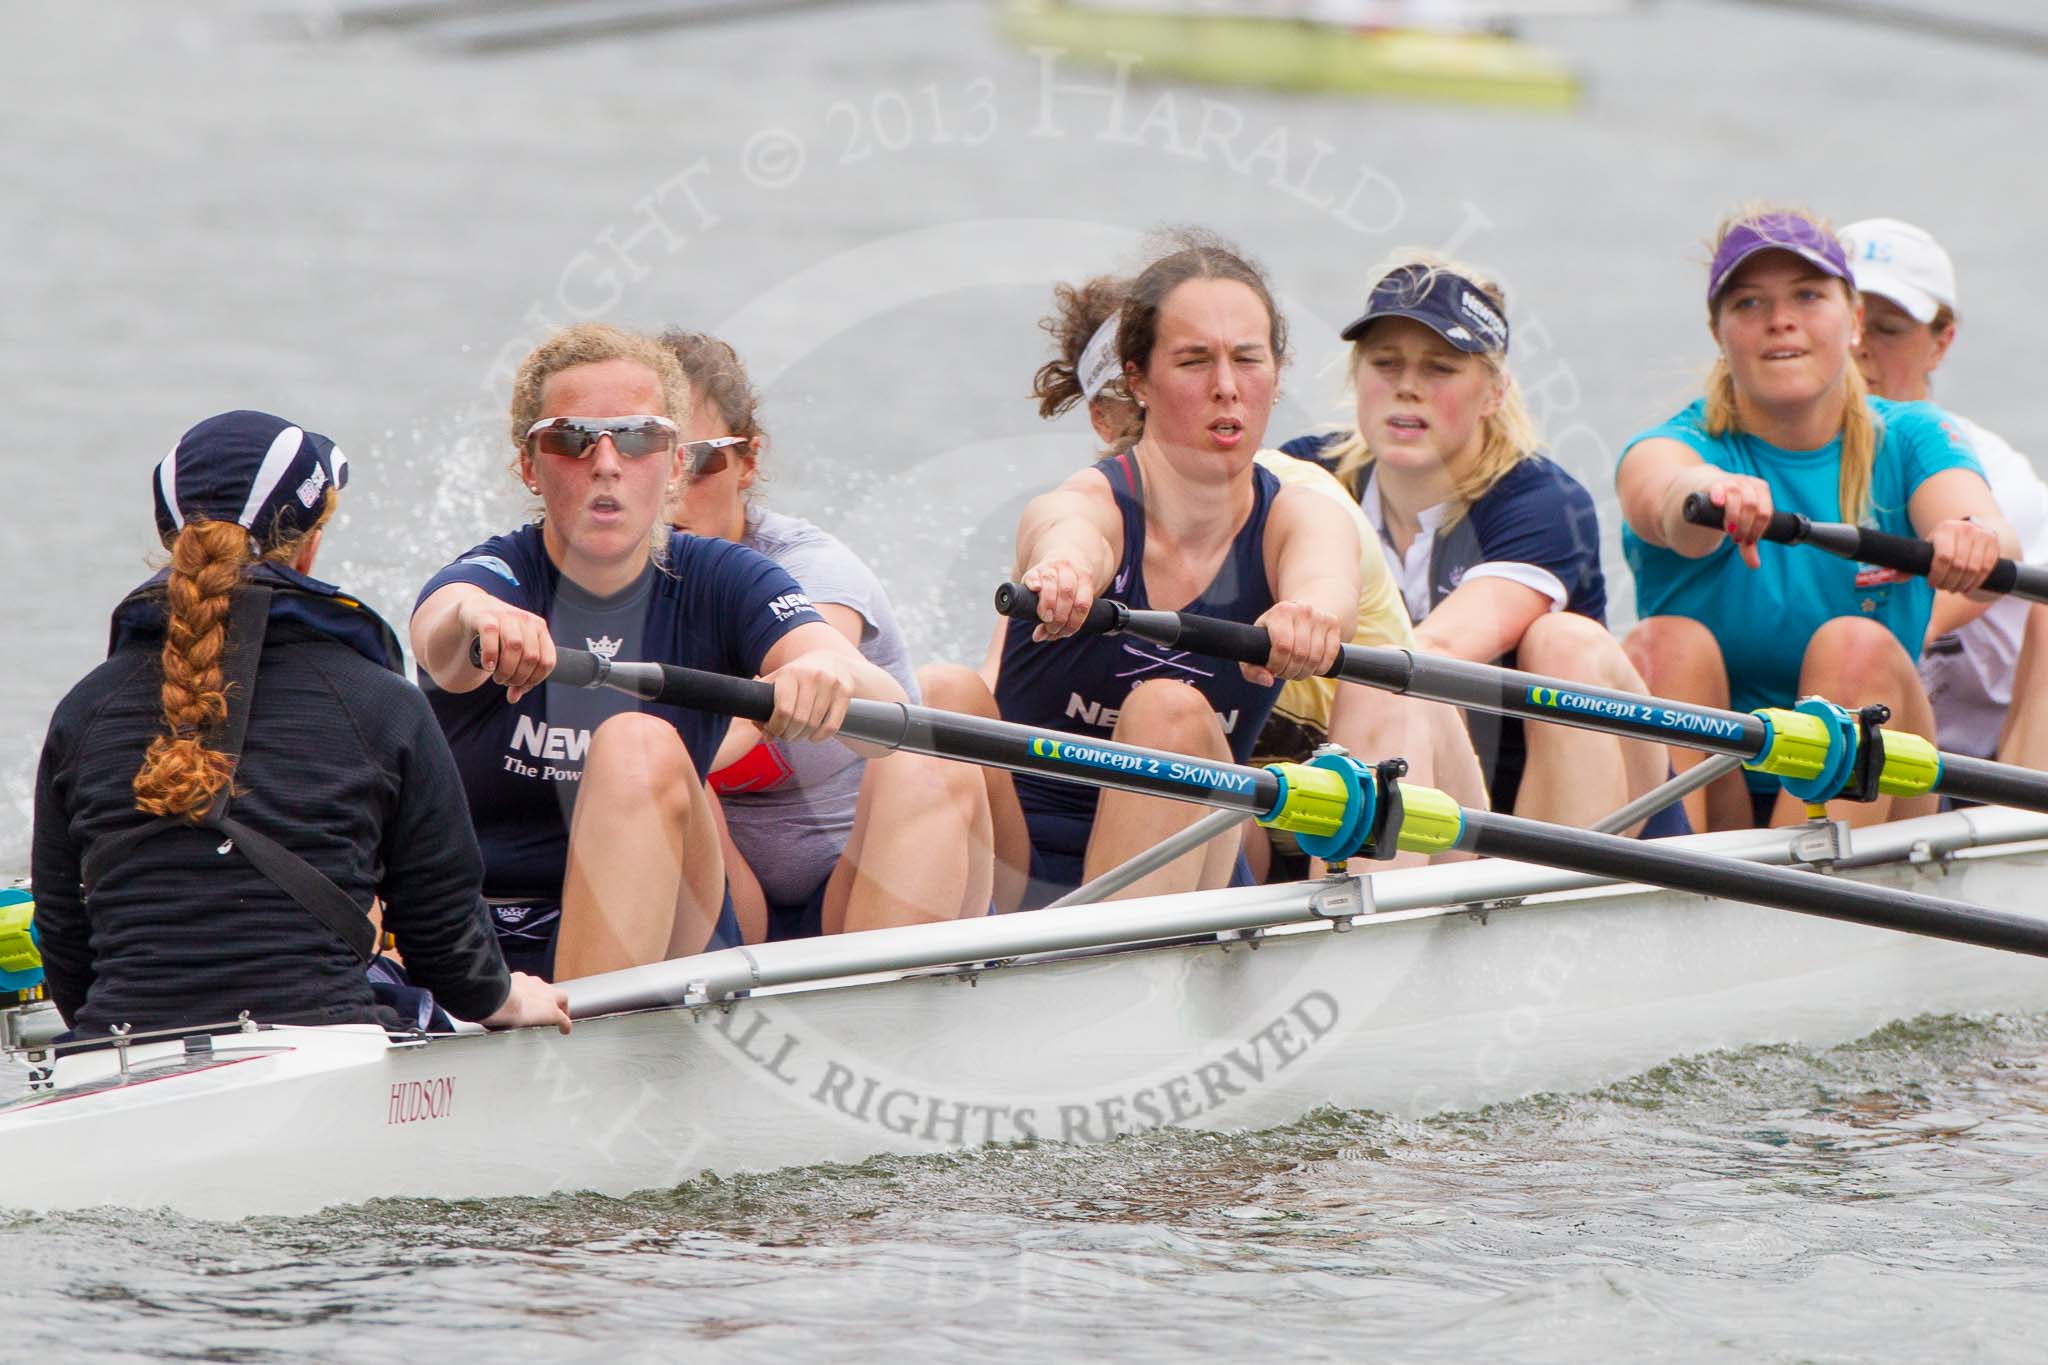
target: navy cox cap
<point>261,472</point>
<point>1444,301</point>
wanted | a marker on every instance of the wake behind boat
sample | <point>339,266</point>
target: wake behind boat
<point>1407,992</point>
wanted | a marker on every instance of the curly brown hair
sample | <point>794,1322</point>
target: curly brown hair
<point>718,376</point>
<point>1077,311</point>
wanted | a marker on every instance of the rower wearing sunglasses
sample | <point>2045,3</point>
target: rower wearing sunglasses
<point>600,841</point>
<point>820,840</point>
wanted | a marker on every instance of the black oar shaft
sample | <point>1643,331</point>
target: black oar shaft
<point>1257,792</point>
<point>947,734</point>
<point>1866,546</point>
<point>1101,763</point>
<point>1531,696</point>
<point>1652,861</point>
<point>1436,678</point>
<point>1991,783</point>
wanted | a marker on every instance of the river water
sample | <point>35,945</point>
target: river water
<point>364,227</point>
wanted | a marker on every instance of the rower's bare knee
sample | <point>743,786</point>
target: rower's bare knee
<point>1371,723</point>
<point>926,781</point>
<point>1577,648</point>
<point>954,687</point>
<point>1167,714</point>
<point>639,757</point>
<point>1678,657</point>
<point>2024,737</point>
<point>1849,657</point>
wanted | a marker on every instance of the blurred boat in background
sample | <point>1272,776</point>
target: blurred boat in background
<point>1462,50</point>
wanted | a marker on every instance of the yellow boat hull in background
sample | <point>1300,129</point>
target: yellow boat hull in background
<point>1292,54</point>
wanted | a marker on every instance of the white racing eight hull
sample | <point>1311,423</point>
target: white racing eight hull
<point>1456,986</point>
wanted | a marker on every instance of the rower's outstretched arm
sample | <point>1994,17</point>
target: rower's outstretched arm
<point>513,643</point>
<point>1068,544</point>
<point>1654,480</point>
<point>815,671</point>
<point>1941,509</point>
<point>1311,551</point>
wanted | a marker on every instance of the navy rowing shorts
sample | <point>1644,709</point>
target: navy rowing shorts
<point>528,931</point>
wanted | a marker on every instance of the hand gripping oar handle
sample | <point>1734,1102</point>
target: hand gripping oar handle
<point>1787,528</point>
<point>1205,635</point>
<point>1105,617</point>
<point>1901,553</point>
<point>1815,748</point>
<point>727,696</point>
<point>969,739</point>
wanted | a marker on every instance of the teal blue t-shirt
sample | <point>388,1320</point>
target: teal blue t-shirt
<point>1763,618</point>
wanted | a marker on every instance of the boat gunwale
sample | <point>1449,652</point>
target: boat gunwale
<point>1480,888</point>
<point>1381,898</point>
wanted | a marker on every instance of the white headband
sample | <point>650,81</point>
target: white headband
<point>1099,361</point>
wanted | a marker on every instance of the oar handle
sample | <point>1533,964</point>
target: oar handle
<point>1020,603</point>
<point>747,698</point>
<point>1916,557</point>
<point>1208,636</point>
<point>1901,553</point>
<point>1787,528</point>
<point>1232,640</point>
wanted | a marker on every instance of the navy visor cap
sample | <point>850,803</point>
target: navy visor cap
<point>1448,304</point>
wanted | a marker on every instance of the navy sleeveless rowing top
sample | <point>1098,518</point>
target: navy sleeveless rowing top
<point>1079,684</point>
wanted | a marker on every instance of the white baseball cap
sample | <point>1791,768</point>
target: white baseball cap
<point>1903,263</point>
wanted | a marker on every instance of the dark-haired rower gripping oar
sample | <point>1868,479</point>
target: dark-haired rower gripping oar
<point>1820,751</point>
<point>1336,807</point>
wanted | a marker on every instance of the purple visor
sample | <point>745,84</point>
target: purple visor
<point>1776,232</point>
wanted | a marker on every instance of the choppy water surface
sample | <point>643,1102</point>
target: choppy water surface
<point>250,203</point>
<point>1772,1204</point>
